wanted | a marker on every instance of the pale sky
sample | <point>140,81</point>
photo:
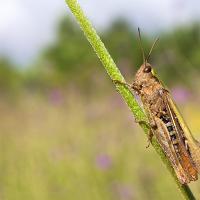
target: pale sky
<point>27,26</point>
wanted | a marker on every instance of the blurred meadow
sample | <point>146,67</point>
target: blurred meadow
<point>65,133</point>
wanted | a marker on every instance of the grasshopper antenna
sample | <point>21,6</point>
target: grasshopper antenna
<point>153,45</point>
<point>141,47</point>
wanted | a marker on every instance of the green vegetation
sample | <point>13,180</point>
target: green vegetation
<point>70,53</point>
<point>62,130</point>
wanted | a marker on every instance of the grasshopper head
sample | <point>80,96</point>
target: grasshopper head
<point>143,77</point>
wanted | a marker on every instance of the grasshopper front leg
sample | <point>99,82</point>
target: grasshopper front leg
<point>130,86</point>
<point>151,125</point>
<point>122,83</point>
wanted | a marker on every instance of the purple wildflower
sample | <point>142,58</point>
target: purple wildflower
<point>103,161</point>
<point>180,94</point>
<point>56,96</point>
<point>123,191</point>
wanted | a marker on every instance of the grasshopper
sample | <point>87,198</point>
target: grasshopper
<point>166,123</point>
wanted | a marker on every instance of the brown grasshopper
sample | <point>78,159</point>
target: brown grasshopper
<point>166,123</point>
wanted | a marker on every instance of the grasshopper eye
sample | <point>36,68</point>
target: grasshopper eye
<point>147,69</point>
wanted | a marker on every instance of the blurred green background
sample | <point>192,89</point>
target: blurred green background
<point>67,134</point>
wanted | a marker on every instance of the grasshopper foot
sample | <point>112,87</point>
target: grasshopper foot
<point>150,136</point>
<point>151,126</point>
<point>121,83</point>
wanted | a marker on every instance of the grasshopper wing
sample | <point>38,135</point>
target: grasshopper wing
<point>183,130</point>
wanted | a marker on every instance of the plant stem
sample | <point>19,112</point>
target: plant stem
<point>127,95</point>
